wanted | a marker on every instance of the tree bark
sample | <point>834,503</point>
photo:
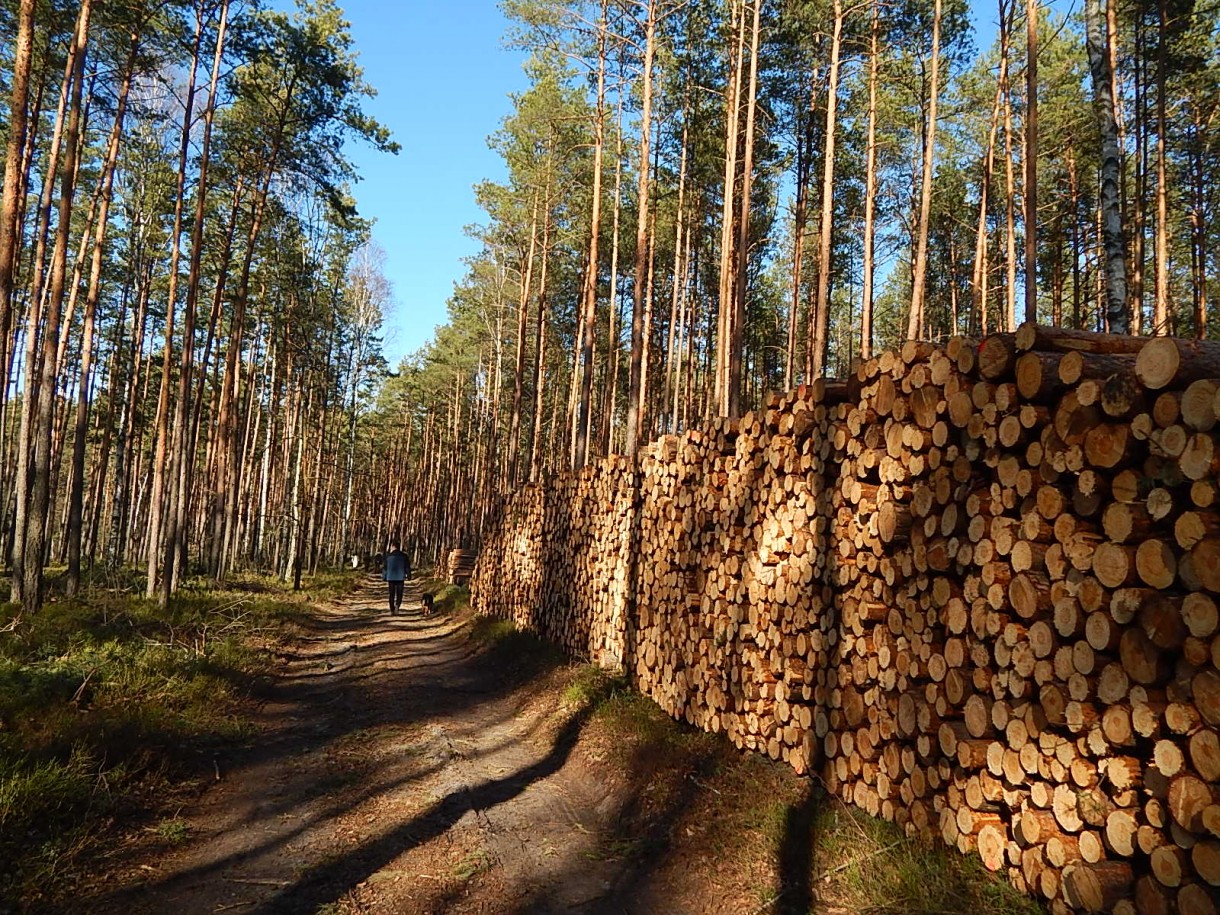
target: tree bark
<point>584,419</point>
<point>1160,309</point>
<point>35,534</point>
<point>16,178</point>
<point>870,184</point>
<point>825,230</point>
<point>916,322</point>
<point>741,273</point>
<point>1031,161</point>
<point>76,490</point>
<point>635,391</point>
<point>1111,213</point>
<point>728,285</point>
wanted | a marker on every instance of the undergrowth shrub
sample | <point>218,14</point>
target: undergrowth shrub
<point>109,692</point>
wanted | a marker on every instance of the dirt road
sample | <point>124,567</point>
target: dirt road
<point>399,769</point>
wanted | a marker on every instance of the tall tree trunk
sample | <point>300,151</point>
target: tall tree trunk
<point>915,323</point>
<point>1010,213</point>
<point>676,299</point>
<point>157,497</point>
<point>614,315</point>
<point>182,451</point>
<point>33,324</point>
<point>635,391</point>
<point>825,230</point>
<point>1031,160</point>
<point>980,276</point>
<point>1161,316</point>
<point>800,218</point>
<point>741,272</point>
<point>1117,316</point>
<point>76,490</point>
<point>34,540</point>
<point>584,419</point>
<point>1198,221</point>
<point>16,178</point>
<point>870,183</point>
<point>540,349</point>
<point>527,278</point>
<point>728,263</point>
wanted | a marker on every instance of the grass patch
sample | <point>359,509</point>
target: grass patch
<point>108,696</point>
<point>447,598</point>
<point>795,850</point>
<point>867,865</point>
<point>474,863</point>
<point>174,831</point>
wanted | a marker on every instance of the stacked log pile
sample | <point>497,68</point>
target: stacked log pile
<point>973,588</point>
<point>561,564</point>
<point>460,566</point>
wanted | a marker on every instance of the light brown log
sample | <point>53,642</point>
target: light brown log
<point>1200,459</point>
<point>1198,405</point>
<point>991,845</point>
<point>1195,899</point>
<point>1114,564</point>
<point>1096,887</point>
<point>1204,750</point>
<point>1205,689</point>
<point>1189,796</point>
<point>1168,360</point>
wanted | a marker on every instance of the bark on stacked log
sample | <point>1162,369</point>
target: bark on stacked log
<point>460,566</point>
<point>973,587</point>
<point>562,562</point>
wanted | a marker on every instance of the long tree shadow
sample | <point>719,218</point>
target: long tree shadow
<point>311,715</point>
<point>794,895</point>
<point>328,882</point>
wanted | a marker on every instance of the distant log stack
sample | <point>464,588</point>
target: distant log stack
<point>460,566</point>
<point>973,587</point>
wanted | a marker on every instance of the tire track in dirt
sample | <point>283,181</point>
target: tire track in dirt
<point>393,762</point>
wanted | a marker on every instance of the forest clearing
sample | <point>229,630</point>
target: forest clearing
<point>842,377</point>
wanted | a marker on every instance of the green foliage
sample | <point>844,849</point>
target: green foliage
<point>870,866</point>
<point>105,693</point>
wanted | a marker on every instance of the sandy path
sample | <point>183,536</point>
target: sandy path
<point>393,764</point>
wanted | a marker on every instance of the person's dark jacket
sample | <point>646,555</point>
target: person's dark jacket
<point>397,566</point>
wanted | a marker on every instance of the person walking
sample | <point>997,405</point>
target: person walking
<point>397,571</point>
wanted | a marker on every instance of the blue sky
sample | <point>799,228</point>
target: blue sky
<point>443,78</point>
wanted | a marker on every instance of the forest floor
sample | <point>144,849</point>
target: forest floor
<point>402,764</point>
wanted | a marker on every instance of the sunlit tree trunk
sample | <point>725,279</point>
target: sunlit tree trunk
<point>1117,316</point>
<point>740,272</point>
<point>915,323</point>
<point>157,498</point>
<point>16,178</point>
<point>584,419</point>
<point>76,489</point>
<point>1161,315</point>
<point>825,229</point>
<point>728,284</point>
<point>1031,160</point>
<point>527,273</point>
<point>635,392</point>
<point>42,428</point>
<point>870,184</point>
<point>182,443</point>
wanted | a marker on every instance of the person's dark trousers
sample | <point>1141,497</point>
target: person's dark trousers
<point>395,595</point>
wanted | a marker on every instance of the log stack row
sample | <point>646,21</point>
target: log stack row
<point>973,588</point>
<point>562,559</point>
<point>460,566</point>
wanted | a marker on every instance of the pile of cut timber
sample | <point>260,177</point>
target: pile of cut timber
<point>460,566</point>
<point>973,587</point>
